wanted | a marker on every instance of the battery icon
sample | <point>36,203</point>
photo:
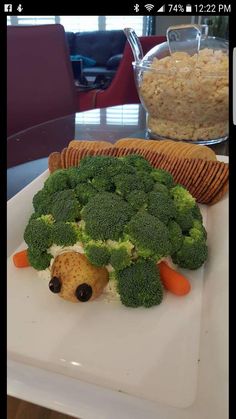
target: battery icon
<point>188,8</point>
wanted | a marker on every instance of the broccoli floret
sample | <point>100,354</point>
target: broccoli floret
<point>65,206</point>
<point>74,177</point>
<point>42,202</point>
<point>162,176</point>
<point>149,235</point>
<point>121,254</point>
<point>185,219</point>
<point>139,284</point>
<point>161,206</point>
<point>184,203</point>
<point>137,199</point>
<point>57,181</point>
<point>125,183</point>
<point>118,166</point>
<point>183,199</point>
<point>97,253</point>
<point>64,234</point>
<point>105,216</point>
<point>176,236</point>
<point>34,216</point>
<point>82,236</point>
<point>47,218</point>
<point>105,166</point>
<point>38,234</point>
<point>159,187</point>
<point>139,162</point>
<point>119,258</point>
<point>198,231</point>
<point>39,260</point>
<point>146,181</point>
<point>197,212</point>
<point>192,254</point>
<point>101,183</point>
<point>84,191</point>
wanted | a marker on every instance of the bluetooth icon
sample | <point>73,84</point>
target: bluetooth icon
<point>136,8</point>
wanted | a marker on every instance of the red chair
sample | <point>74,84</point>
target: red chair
<point>40,83</point>
<point>122,89</point>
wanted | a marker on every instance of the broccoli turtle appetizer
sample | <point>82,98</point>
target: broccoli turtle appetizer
<point>125,217</point>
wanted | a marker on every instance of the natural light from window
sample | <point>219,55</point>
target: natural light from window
<point>92,117</point>
<point>120,115</point>
<point>85,23</point>
<point>123,115</point>
<point>79,23</point>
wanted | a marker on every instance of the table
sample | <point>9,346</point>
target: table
<point>27,151</point>
<point>27,159</point>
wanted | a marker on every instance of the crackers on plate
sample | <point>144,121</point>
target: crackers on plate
<point>194,166</point>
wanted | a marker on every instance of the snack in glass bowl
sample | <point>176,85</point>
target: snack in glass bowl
<point>183,85</point>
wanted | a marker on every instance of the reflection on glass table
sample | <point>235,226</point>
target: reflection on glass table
<point>27,151</point>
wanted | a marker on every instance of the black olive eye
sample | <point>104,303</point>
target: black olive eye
<point>55,285</point>
<point>83,292</point>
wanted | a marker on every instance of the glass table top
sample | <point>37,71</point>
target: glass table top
<point>28,150</point>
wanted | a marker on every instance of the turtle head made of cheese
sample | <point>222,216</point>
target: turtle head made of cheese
<point>75,279</point>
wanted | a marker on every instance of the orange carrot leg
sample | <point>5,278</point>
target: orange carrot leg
<point>173,281</point>
<point>20,259</point>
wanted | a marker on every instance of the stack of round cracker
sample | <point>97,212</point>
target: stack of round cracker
<point>205,178</point>
<point>171,148</point>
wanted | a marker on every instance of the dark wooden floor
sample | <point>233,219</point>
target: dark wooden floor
<point>19,409</point>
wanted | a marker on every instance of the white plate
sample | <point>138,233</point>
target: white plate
<point>154,359</point>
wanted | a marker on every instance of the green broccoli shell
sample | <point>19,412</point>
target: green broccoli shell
<point>184,218</point>
<point>197,212</point>
<point>183,200</point>
<point>162,176</point>
<point>65,206</point>
<point>101,183</point>
<point>159,187</point>
<point>105,216</point>
<point>137,199</point>
<point>97,253</point>
<point>137,161</point>
<point>57,181</point>
<point>146,181</point>
<point>126,183</point>
<point>121,254</point>
<point>139,284</point>
<point>84,191</point>
<point>74,177</point>
<point>38,234</point>
<point>161,206</point>
<point>105,166</point>
<point>38,260</point>
<point>176,236</point>
<point>149,235</point>
<point>192,254</point>
<point>64,233</point>
<point>198,231</point>
<point>42,202</point>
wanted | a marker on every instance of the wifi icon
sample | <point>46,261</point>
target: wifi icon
<point>149,7</point>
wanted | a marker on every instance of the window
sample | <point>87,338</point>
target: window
<point>79,23</point>
<point>85,23</point>
<point>35,20</point>
<point>123,115</point>
<point>92,117</point>
<point>120,22</point>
